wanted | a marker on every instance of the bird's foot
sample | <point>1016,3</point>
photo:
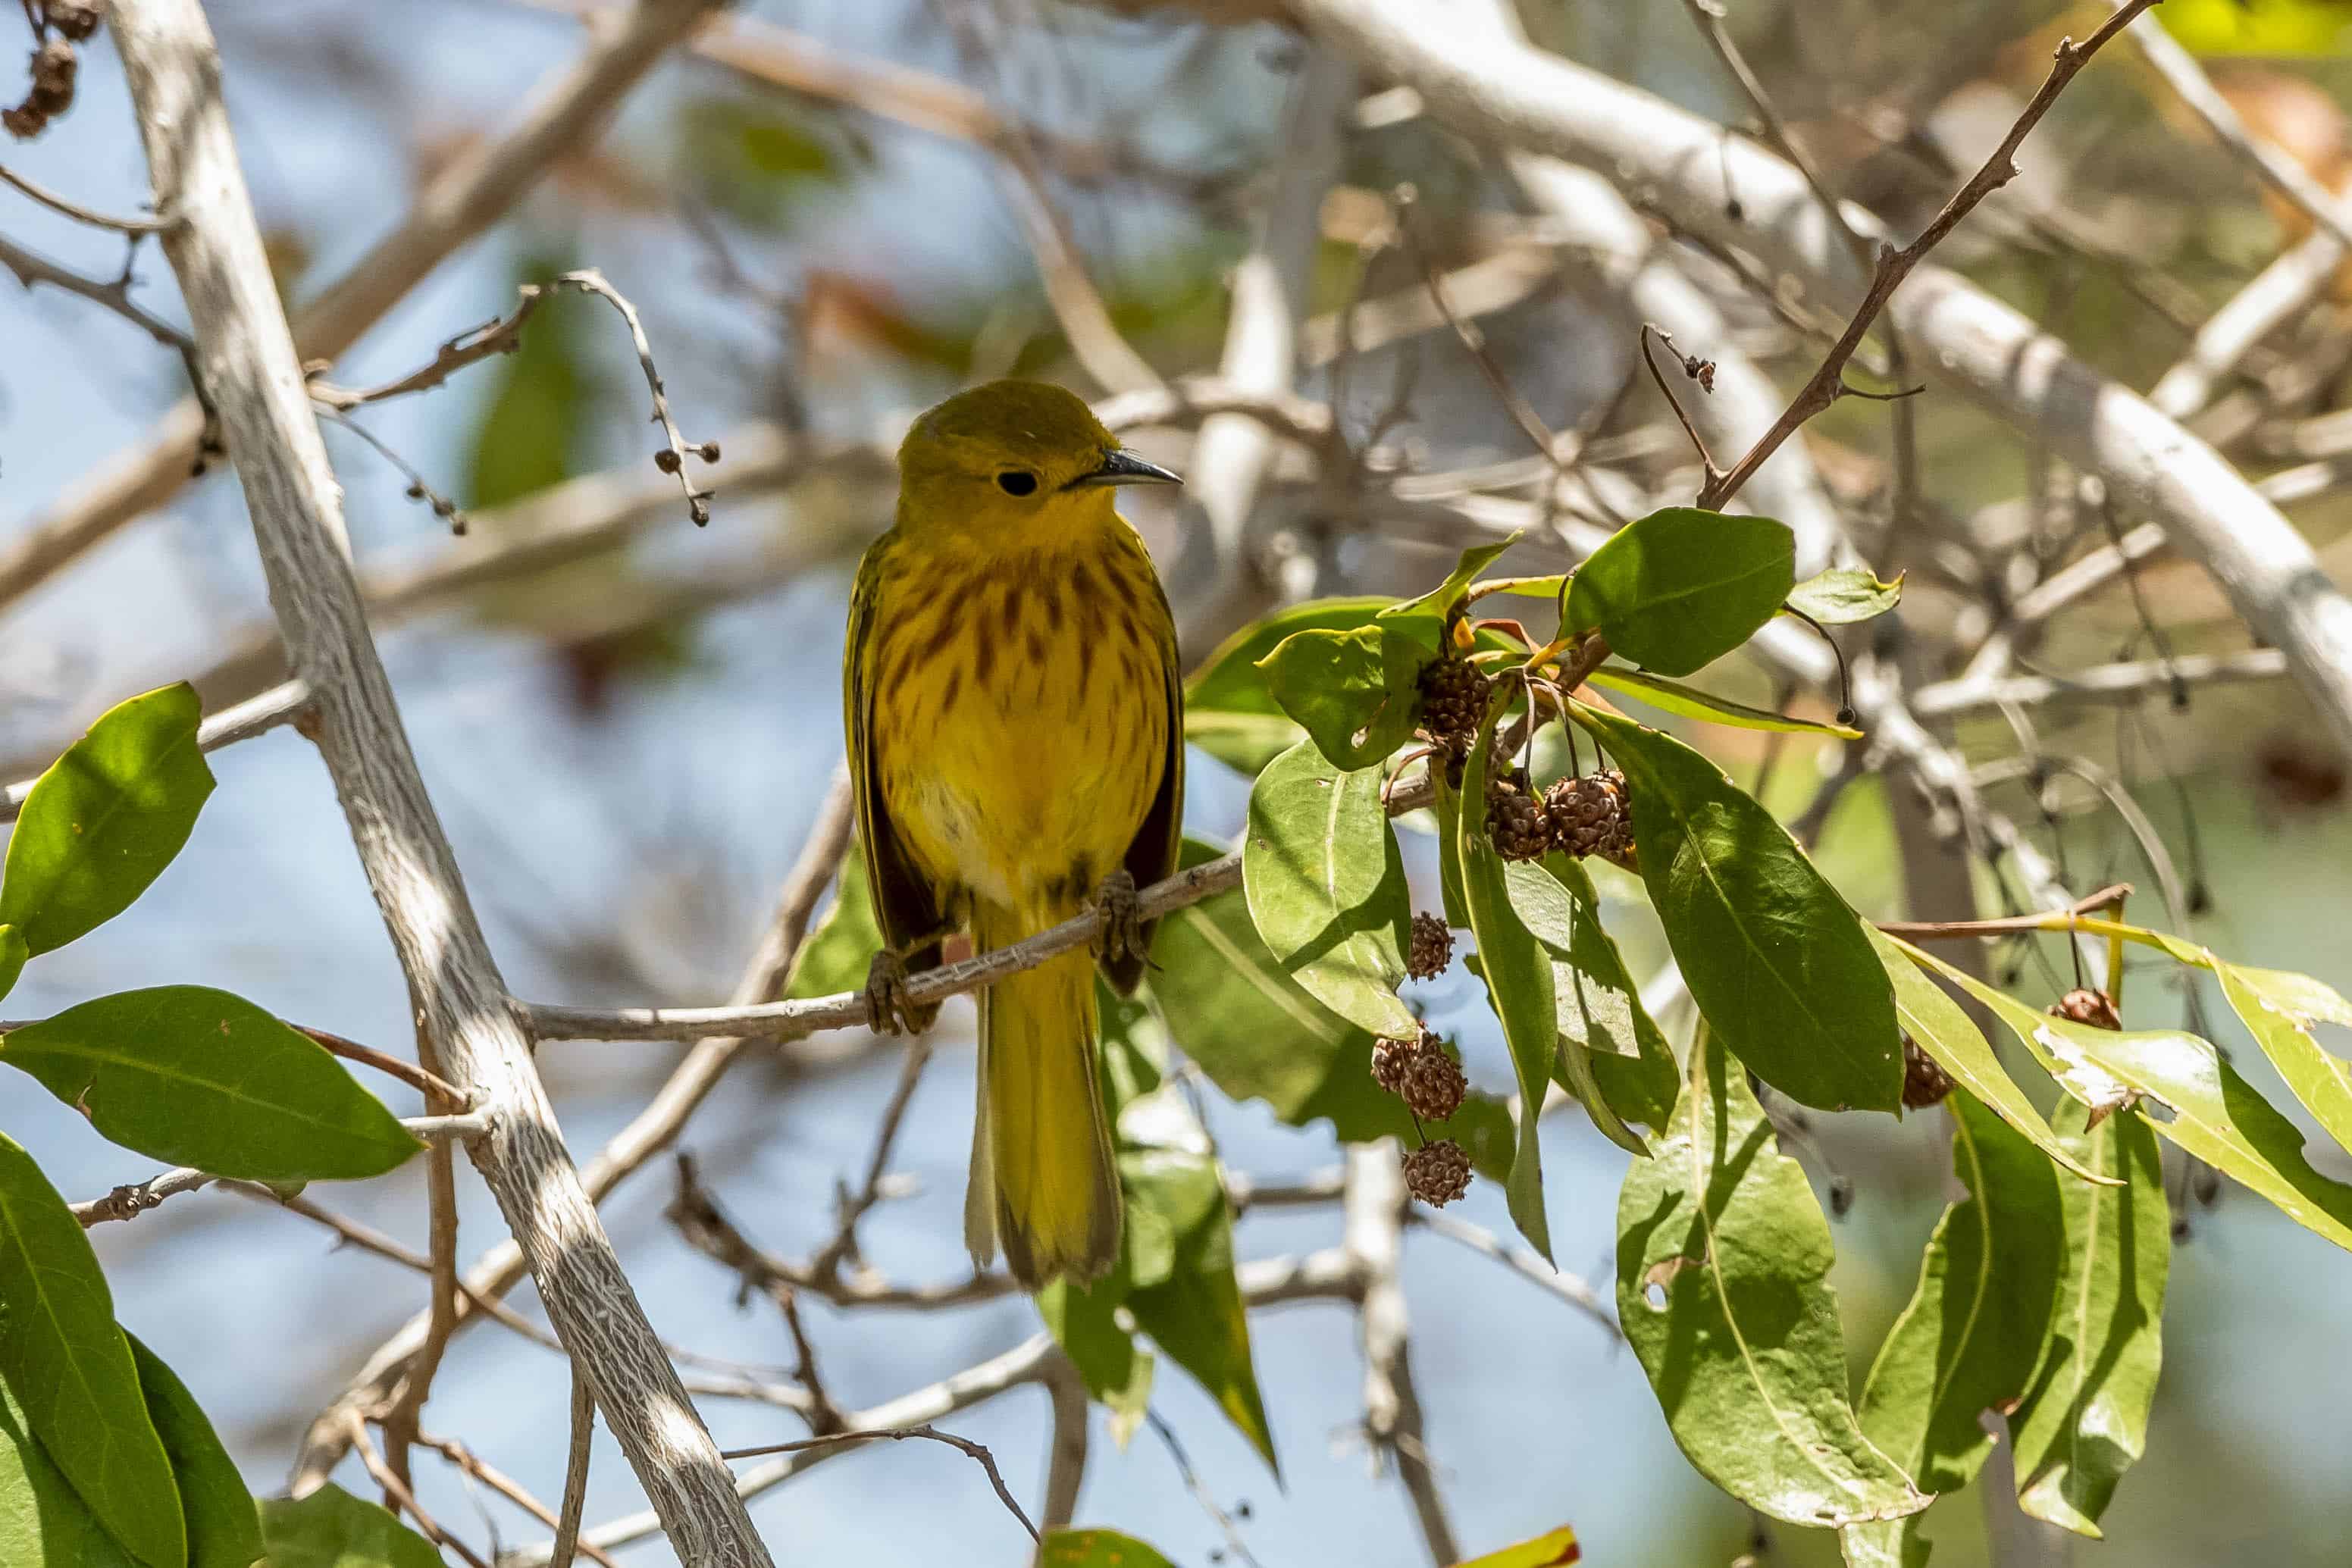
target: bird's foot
<point>1120,934</point>
<point>888,1009</point>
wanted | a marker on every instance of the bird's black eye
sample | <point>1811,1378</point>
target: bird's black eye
<point>1017,482</point>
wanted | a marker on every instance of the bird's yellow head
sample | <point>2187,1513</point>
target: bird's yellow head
<point>1014,460</point>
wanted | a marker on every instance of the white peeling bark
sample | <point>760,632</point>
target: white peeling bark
<point>246,358</point>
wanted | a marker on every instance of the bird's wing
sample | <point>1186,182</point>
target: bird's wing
<point>904,905</point>
<point>1151,856</point>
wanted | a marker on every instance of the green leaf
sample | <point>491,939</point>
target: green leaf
<point>1776,962</point>
<point>1229,710</point>
<point>1518,975</point>
<point>2077,1071</point>
<point>1448,812</point>
<point>1946,1034</point>
<point>1326,884</point>
<point>13,954</point>
<point>43,1523</point>
<point>1552,1549</point>
<point>837,955</point>
<point>1722,1261</point>
<point>2085,1415</point>
<point>1681,587</point>
<point>105,818</point>
<point>1845,594</point>
<point>1115,1370</point>
<point>70,1368</point>
<point>1443,599</point>
<point>1972,1334</point>
<point>199,1077</point>
<point>1258,1036</point>
<point>332,1529</point>
<point>1529,587</point>
<point>1339,685</point>
<point>1674,698</point>
<point>2236,27</point>
<point>224,1529</point>
<point>758,162</point>
<point>1096,1549</point>
<point>1598,1005</point>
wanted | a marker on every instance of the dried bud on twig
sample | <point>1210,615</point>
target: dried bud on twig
<point>1591,815</point>
<point>1437,1173</point>
<point>1517,821</point>
<point>1452,701</point>
<point>2083,1005</point>
<point>1432,947</point>
<point>1924,1082</point>
<point>1390,1059</point>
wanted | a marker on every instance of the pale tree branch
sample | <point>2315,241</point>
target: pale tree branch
<point>1375,1210</point>
<point>250,365</point>
<point>1066,1440</point>
<point>133,227</point>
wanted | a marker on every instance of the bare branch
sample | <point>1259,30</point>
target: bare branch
<point>1376,1208</point>
<point>977,1451</point>
<point>575,1477</point>
<point>2125,682</point>
<point>31,268</point>
<point>134,227</point>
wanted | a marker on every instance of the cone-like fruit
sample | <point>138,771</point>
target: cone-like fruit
<point>1591,815</point>
<point>1431,948</point>
<point>1452,701</point>
<point>2085,1006</point>
<point>1434,1086</point>
<point>1924,1082</point>
<point>1437,1173</point>
<point>1516,822</point>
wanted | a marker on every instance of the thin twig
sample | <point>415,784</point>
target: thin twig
<point>1235,1545</point>
<point>418,1078</point>
<point>134,227</point>
<point>853,1208</point>
<point>405,1500</point>
<point>31,268</point>
<point>1691,367</point>
<point>419,487</point>
<point>1949,930</point>
<point>1514,402</point>
<point>977,1451</point>
<point>505,1485</point>
<point>575,1477</point>
<point>1524,1261</point>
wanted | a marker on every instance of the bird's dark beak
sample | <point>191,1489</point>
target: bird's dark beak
<point>1120,466</point>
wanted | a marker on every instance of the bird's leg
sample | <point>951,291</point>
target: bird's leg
<point>888,1009</point>
<point>1120,934</point>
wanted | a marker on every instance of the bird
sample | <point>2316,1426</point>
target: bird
<point>1015,712</point>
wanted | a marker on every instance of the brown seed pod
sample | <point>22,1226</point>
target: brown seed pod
<point>76,19</point>
<point>1591,815</point>
<point>1391,1059</point>
<point>1517,821</point>
<point>1434,1086</point>
<point>1431,950</point>
<point>1437,1173</point>
<point>1924,1082</point>
<point>2083,1005</point>
<point>1454,694</point>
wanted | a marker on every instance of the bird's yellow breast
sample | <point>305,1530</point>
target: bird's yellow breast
<point>1021,710</point>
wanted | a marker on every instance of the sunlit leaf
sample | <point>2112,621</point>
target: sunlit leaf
<point>44,1523</point>
<point>1096,1549</point>
<point>1722,1261</point>
<point>70,1370</point>
<point>1552,1549</point>
<point>1327,887</point>
<point>198,1077</point>
<point>1776,962</point>
<point>2078,1073</point>
<point>332,1529</point>
<point>1598,1003</point>
<point>1845,594</point>
<point>1972,1334</point>
<point>1442,600</point>
<point>1946,1034</point>
<point>1674,698</point>
<point>224,1529</point>
<point>13,954</point>
<point>105,818</point>
<point>1356,693</point>
<point>1231,713</point>
<point>2311,27</point>
<point>1679,589</point>
<point>2083,1420</point>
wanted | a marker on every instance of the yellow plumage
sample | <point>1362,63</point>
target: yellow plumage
<point>1012,702</point>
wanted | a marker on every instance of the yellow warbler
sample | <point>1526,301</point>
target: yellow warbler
<point>1015,737</point>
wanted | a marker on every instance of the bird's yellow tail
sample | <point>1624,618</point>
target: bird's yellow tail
<point>1044,1186</point>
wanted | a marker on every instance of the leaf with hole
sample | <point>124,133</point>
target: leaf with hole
<point>71,1369</point>
<point>1357,693</point>
<point>1258,1036</point>
<point>1326,886</point>
<point>199,1077</point>
<point>1948,1035</point>
<point>105,818</point>
<point>1684,701</point>
<point>2083,1418</point>
<point>1677,589</point>
<point>1723,1258</point>
<point>1778,962</point>
<point>1845,594</point>
<point>332,1529</point>
<point>1971,1335</point>
<point>1445,599</point>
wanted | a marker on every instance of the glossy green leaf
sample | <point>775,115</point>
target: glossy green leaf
<point>1845,594</point>
<point>1448,812</point>
<point>1677,589</point>
<point>1326,886</point>
<point>1722,1262</point>
<point>199,1077</point>
<point>1971,1337</point>
<point>1096,1549</point>
<point>1552,1549</point>
<point>1357,693</point>
<point>1778,962</point>
<point>1684,701</point>
<point>1518,975</point>
<point>1258,1036</point>
<point>224,1529</point>
<point>1229,710</point>
<point>1946,1034</point>
<point>835,955</point>
<point>2083,1418</point>
<point>1600,1006</point>
<point>105,818</point>
<point>1442,600</point>
<point>13,954</point>
<point>44,1523</point>
<point>332,1529</point>
<point>71,1369</point>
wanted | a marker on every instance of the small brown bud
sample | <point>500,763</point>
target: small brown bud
<point>667,461</point>
<point>708,451</point>
<point>1431,950</point>
<point>55,65</point>
<point>2081,1005</point>
<point>416,492</point>
<point>1924,1082</point>
<point>1437,1173</point>
<point>76,19</point>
